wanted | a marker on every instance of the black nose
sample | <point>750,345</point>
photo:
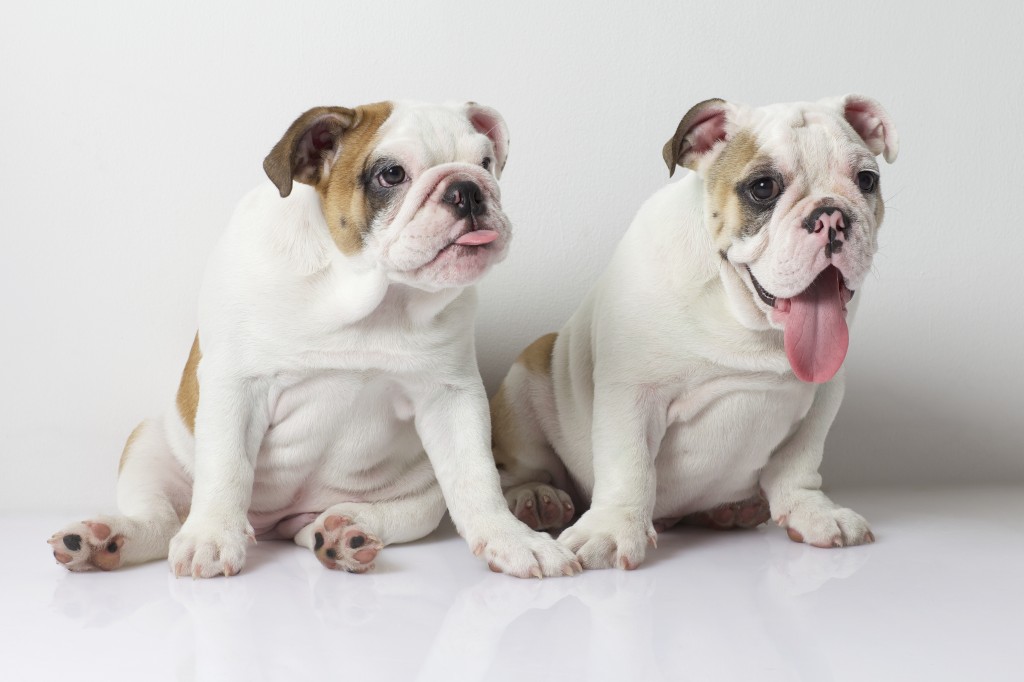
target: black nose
<point>834,222</point>
<point>465,198</point>
<point>825,217</point>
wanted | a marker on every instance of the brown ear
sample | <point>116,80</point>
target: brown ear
<point>701,128</point>
<point>307,149</point>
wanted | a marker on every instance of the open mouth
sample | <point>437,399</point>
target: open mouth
<point>768,298</point>
<point>816,336</point>
<point>783,304</point>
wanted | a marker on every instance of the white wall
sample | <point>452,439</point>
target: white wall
<point>130,131</point>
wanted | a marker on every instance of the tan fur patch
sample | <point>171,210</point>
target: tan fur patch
<point>537,356</point>
<point>501,431</point>
<point>345,206</point>
<point>727,217</point>
<point>188,389</point>
<point>132,437</point>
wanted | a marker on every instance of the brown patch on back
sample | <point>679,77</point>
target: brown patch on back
<point>132,437</point>
<point>502,425</point>
<point>188,389</point>
<point>537,356</point>
<point>343,197</point>
<point>727,215</point>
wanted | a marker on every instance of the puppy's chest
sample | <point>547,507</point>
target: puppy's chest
<point>734,419</point>
<point>340,420</point>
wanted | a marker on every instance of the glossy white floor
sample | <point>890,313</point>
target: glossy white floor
<point>940,596</point>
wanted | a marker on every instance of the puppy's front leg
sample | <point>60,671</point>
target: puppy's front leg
<point>791,481</point>
<point>629,423</point>
<point>230,424</point>
<point>455,426</point>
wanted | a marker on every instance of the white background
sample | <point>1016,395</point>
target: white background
<point>130,130</point>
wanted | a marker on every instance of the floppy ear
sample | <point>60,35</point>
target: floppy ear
<point>870,120</point>
<point>702,128</point>
<point>308,148</point>
<point>489,122</point>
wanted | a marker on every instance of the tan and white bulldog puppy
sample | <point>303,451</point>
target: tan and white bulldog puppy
<point>700,376</point>
<point>332,393</point>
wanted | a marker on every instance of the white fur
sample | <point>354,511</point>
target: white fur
<point>670,391</point>
<point>336,384</point>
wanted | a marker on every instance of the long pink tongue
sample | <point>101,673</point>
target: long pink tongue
<point>817,337</point>
<point>477,237</point>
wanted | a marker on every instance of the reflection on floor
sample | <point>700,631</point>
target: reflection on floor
<point>938,597</point>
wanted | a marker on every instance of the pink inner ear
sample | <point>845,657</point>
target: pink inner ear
<point>862,118</point>
<point>484,123</point>
<point>322,135</point>
<point>493,127</point>
<point>707,130</point>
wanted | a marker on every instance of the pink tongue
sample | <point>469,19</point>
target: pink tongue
<point>816,333</point>
<point>477,237</point>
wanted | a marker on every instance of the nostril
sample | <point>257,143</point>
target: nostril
<point>465,197</point>
<point>452,196</point>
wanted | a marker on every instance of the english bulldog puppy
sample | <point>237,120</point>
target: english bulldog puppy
<point>700,376</point>
<point>332,394</point>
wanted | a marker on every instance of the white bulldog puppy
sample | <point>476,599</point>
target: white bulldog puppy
<point>332,394</point>
<point>700,376</point>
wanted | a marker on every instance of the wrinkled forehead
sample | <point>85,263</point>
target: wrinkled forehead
<point>808,139</point>
<point>431,134</point>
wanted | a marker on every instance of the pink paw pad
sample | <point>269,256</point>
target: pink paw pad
<point>748,513</point>
<point>541,506</point>
<point>343,545</point>
<point>87,546</point>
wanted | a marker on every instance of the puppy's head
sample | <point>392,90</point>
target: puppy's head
<point>793,203</point>
<point>409,188</point>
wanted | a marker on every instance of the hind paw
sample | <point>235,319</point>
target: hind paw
<point>87,546</point>
<point>343,545</point>
<point>540,506</point>
<point>748,513</point>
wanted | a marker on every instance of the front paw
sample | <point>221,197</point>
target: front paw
<point>510,547</point>
<point>203,550</point>
<point>610,537</point>
<point>819,522</point>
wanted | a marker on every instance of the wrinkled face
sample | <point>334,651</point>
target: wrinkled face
<point>409,188</point>
<point>793,203</point>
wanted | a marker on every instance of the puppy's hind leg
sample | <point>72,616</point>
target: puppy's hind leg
<point>533,478</point>
<point>152,492</point>
<point>349,535</point>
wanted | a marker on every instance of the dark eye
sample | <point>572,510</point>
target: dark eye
<point>867,181</point>
<point>764,190</point>
<point>486,163</point>
<point>391,176</point>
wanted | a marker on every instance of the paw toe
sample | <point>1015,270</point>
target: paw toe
<point>336,522</point>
